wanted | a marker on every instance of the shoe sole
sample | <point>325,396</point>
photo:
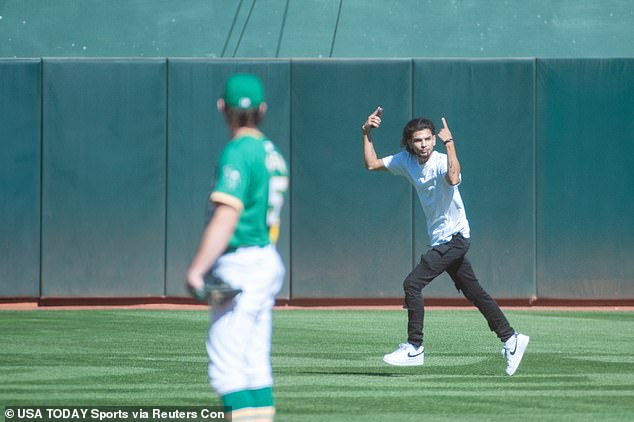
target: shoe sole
<point>408,363</point>
<point>521,348</point>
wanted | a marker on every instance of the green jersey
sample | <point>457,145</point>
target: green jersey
<point>252,178</point>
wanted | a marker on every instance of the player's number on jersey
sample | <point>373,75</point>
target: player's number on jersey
<point>278,185</point>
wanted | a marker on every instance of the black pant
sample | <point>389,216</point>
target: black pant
<point>450,257</point>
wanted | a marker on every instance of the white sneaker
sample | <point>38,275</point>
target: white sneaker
<point>513,351</point>
<point>406,355</point>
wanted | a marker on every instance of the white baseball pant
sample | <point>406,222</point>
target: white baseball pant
<point>239,340</point>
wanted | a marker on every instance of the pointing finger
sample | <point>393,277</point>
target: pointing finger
<point>444,123</point>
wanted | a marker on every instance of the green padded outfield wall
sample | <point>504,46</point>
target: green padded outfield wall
<point>20,133</point>
<point>546,172</point>
<point>489,107</point>
<point>351,229</point>
<point>197,135</point>
<point>104,177</point>
<point>585,191</point>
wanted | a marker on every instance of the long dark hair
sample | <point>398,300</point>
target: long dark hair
<point>414,125</point>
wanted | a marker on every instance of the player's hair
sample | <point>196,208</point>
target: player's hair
<point>242,118</point>
<point>414,125</point>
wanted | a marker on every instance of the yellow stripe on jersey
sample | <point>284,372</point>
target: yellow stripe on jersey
<point>274,233</point>
<point>225,198</point>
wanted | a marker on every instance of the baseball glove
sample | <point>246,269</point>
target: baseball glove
<point>215,292</point>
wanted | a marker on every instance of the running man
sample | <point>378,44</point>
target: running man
<point>238,254</point>
<point>435,177</point>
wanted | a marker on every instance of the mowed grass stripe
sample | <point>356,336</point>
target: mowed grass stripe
<point>327,364</point>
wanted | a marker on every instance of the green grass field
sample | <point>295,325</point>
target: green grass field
<point>579,365</point>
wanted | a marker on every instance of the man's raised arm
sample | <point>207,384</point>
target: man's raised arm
<point>453,165</point>
<point>372,162</point>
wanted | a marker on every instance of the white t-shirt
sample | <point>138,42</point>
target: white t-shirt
<point>441,202</point>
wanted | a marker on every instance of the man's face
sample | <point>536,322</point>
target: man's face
<point>422,143</point>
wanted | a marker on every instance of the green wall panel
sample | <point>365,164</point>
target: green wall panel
<point>104,183</point>
<point>351,229</point>
<point>489,107</point>
<point>197,135</point>
<point>585,132</point>
<point>20,128</point>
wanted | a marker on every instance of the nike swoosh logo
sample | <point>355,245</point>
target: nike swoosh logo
<point>514,350</point>
<point>413,356</point>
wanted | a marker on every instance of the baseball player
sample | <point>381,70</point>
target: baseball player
<point>238,258</point>
<point>435,177</point>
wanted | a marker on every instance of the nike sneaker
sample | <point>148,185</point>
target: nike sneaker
<point>406,355</point>
<point>513,351</point>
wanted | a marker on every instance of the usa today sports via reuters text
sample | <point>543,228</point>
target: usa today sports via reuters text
<point>114,414</point>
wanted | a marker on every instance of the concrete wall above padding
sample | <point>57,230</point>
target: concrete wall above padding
<point>317,28</point>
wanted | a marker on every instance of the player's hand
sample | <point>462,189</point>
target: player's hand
<point>196,287</point>
<point>374,120</point>
<point>195,282</point>
<point>445,133</point>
